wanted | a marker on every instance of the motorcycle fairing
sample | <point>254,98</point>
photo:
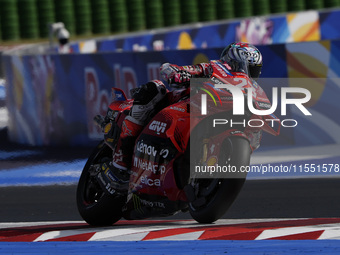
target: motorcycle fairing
<point>161,142</point>
<point>120,106</point>
<point>154,189</point>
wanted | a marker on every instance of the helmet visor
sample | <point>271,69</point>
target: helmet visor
<point>241,65</point>
<point>237,59</point>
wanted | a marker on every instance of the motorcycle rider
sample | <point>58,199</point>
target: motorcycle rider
<point>149,97</point>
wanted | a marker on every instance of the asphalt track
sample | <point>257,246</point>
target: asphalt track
<point>43,219</point>
<point>280,198</point>
<point>303,198</point>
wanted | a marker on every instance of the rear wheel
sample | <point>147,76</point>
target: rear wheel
<point>95,206</point>
<point>213,197</point>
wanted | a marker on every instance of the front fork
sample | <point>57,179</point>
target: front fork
<point>109,128</point>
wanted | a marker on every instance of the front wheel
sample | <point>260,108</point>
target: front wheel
<point>95,206</point>
<point>215,196</point>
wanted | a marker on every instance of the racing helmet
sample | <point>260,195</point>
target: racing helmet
<point>243,57</point>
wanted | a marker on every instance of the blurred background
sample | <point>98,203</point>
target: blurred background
<point>48,98</point>
<point>28,19</point>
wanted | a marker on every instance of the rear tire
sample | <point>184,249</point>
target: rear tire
<point>223,191</point>
<point>95,206</point>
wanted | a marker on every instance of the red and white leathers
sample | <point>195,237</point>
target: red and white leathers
<point>144,105</point>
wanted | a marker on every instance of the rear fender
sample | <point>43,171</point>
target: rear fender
<point>121,105</point>
<point>118,94</point>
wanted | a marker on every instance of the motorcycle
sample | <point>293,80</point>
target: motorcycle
<point>176,140</point>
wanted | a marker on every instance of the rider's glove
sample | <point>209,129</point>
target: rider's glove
<point>181,78</point>
<point>173,74</point>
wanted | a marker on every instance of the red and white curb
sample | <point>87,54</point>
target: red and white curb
<point>153,230</point>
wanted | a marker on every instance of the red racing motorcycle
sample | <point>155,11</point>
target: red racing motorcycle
<point>176,156</point>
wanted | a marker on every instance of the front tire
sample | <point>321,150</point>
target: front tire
<point>95,206</point>
<point>217,195</point>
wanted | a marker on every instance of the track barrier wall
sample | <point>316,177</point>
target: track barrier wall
<point>52,98</point>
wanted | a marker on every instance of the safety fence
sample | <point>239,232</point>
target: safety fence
<point>283,28</point>
<point>28,19</point>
